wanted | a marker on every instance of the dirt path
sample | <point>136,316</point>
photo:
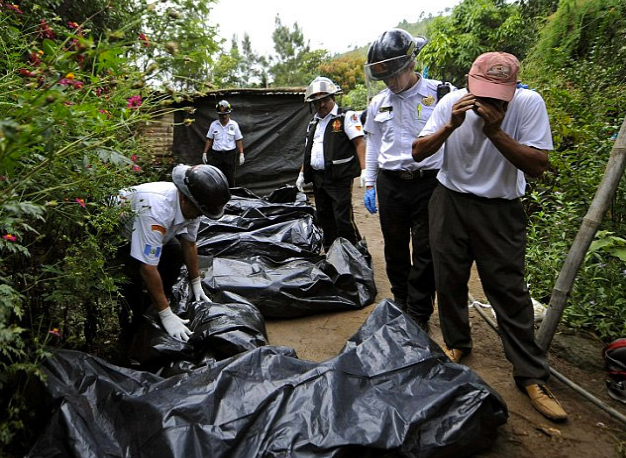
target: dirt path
<point>588,433</point>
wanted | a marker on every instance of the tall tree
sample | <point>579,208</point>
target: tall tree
<point>295,64</point>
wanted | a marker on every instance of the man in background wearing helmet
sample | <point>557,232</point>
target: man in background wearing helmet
<point>394,117</point>
<point>224,139</point>
<point>492,134</point>
<point>334,154</point>
<point>161,226</point>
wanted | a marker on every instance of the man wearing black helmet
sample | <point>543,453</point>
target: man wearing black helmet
<point>395,116</point>
<point>224,139</point>
<point>334,155</point>
<point>161,226</point>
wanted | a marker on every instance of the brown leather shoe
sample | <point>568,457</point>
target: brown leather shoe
<point>455,354</point>
<point>544,401</point>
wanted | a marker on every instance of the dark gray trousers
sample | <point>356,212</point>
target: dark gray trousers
<point>492,232</point>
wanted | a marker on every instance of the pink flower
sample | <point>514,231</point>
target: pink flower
<point>136,168</point>
<point>71,82</point>
<point>14,7</point>
<point>134,102</point>
<point>55,332</point>
<point>81,202</point>
<point>134,158</point>
<point>106,112</point>
<point>9,237</point>
<point>73,25</point>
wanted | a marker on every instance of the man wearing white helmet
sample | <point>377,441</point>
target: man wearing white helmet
<point>224,140</point>
<point>334,155</point>
<point>161,226</point>
<point>395,117</point>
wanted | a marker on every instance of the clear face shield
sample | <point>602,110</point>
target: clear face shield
<point>394,73</point>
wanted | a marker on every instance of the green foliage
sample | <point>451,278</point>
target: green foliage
<point>356,98</point>
<point>578,68</point>
<point>347,71</point>
<point>474,27</point>
<point>72,106</point>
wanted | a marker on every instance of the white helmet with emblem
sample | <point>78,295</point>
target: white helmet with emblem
<point>319,88</point>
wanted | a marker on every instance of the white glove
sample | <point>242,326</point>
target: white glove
<point>198,292</point>
<point>300,182</point>
<point>174,325</point>
<point>362,179</point>
<point>204,157</point>
<point>242,159</point>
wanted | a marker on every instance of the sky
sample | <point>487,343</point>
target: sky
<point>337,25</point>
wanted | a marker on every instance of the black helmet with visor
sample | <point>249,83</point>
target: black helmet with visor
<point>391,53</point>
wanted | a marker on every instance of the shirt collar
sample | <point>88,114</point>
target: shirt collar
<point>418,88</point>
<point>332,112</point>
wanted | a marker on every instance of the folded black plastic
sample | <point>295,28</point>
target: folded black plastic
<point>342,280</point>
<point>390,392</point>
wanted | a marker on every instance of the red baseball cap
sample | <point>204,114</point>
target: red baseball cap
<point>494,74</point>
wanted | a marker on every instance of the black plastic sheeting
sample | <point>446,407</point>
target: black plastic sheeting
<point>220,330</point>
<point>390,392</point>
<point>267,250</point>
<point>273,126</point>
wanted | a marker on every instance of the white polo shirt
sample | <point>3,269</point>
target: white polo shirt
<point>393,122</point>
<point>352,128</point>
<point>224,137</point>
<point>471,163</point>
<point>156,217</point>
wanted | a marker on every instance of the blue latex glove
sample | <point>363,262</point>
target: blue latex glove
<point>369,199</point>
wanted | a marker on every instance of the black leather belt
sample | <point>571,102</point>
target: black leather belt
<point>410,174</point>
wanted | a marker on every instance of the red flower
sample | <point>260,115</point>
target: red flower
<point>81,202</point>
<point>26,72</point>
<point>134,102</point>
<point>144,38</point>
<point>9,237</point>
<point>136,168</point>
<point>45,31</point>
<point>73,25</point>
<point>35,57</point>
<point>14,7</point>
<point>55,332</point>
<point>133,158</point>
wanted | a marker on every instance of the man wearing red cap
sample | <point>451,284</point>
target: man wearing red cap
<point>491,133</point>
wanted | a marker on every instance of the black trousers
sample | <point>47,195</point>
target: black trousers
<point>492,232</point>
<point>226,161</point>
<point>133,302</point>
<point>403,207</point>
<point>333,209</point>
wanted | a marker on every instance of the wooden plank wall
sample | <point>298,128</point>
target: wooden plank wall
<point>158,139</point>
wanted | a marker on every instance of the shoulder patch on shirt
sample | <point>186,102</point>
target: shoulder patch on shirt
<point>161,229</point>
<point>358,127</point>
<point>354,118</point>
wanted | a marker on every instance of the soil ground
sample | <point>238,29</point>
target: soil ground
<point>589,432</point>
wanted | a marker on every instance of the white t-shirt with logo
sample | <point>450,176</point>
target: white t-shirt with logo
<point>224,137</point>
<point>155,218</point>
<point>471,162</point>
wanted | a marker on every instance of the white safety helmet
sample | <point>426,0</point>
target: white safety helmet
<point>319,88</point>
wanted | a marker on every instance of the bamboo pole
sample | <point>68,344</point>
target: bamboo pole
<point>586,233</point>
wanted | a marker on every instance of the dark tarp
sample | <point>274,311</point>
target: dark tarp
<point>273,125</point>
<point>390,389</point>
